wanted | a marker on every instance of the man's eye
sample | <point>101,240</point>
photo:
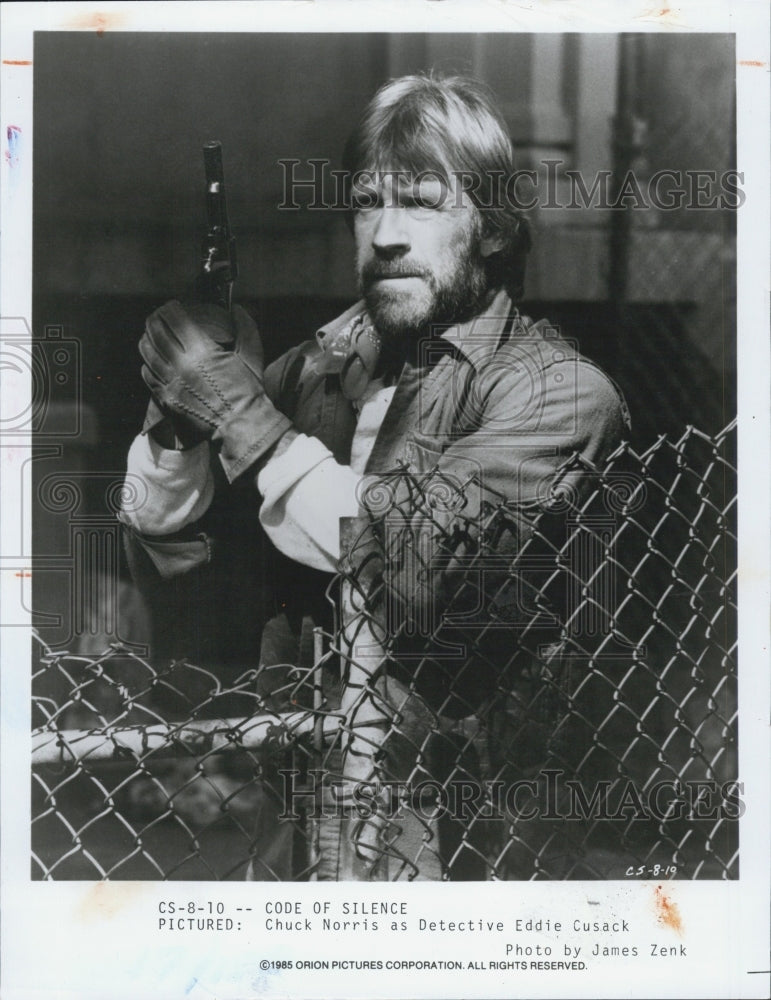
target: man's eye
<point>364,199</point>
<point>426,198</point>
<point>416,201</point>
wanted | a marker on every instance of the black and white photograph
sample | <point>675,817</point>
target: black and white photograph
<point>379,521</point>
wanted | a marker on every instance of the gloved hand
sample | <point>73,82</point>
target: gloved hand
<point>216,393</point>
<point>173,430</point>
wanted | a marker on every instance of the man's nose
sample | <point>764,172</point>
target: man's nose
<point>390,236</point>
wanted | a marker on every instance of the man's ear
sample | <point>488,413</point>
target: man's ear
<point>489,245</point>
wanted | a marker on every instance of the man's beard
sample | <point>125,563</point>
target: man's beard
<point>448,300</point>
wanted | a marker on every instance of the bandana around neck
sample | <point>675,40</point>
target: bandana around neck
<point>365,346</point>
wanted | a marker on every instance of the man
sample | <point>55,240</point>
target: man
<point>433,388</point>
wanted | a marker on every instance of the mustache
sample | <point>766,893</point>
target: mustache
<point>377,270</point>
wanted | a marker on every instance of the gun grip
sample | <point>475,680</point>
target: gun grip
<point>215,320</point>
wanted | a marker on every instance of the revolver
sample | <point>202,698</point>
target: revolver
<point>219,267</point>
<point>212,295</point>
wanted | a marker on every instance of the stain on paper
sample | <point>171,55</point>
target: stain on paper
<point>99,21</point>
<point>662,15</point>
<point>13,150</point>
<point>105,899</point>
<point>667,910</point>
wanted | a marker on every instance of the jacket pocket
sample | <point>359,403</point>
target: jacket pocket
<point>423,451</point>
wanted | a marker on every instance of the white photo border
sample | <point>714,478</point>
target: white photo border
<point>101,939</point>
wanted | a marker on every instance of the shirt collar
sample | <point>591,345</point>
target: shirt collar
<point>477,339</point>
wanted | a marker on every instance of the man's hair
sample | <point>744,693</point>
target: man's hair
<point>449,126</point>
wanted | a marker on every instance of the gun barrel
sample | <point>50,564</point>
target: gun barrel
<point>216,203</point>
<point>219,265</point>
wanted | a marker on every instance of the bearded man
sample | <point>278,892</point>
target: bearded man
<point>432,382</point>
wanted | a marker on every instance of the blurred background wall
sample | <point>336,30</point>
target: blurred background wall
<point>120,118</point>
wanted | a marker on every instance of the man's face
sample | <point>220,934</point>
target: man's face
<point>419,254</point>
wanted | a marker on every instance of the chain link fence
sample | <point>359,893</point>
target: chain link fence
<point>506,694</point>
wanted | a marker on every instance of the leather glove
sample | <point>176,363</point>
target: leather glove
<point>217,393</point>
<point>175,431</point>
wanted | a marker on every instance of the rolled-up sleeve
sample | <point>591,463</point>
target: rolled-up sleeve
<point>305,493</point>
<point>176,487</point>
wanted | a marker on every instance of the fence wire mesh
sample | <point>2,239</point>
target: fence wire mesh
<point>542,692</point>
